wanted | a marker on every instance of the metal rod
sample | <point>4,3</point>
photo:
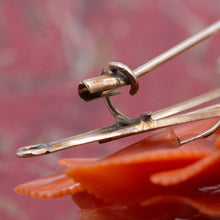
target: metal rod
<point>205,134</point>
<point>183,106</point>
<point>174,51</point>
<point>114,132</point>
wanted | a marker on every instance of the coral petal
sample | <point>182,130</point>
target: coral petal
<point>50,187</point>
<point>202,170</point>
<point>125,175</point>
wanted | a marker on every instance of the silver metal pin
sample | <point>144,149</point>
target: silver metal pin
<point>164,118</point>
<point>115,75</point>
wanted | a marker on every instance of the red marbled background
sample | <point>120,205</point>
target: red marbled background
<point>47,47</point>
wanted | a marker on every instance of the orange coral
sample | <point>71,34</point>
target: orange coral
<point>145,173</point>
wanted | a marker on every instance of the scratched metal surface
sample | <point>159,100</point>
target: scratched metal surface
<point>47,47</point>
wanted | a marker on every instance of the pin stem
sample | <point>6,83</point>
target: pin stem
<point>174,51</point>
<point>96,87</point>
